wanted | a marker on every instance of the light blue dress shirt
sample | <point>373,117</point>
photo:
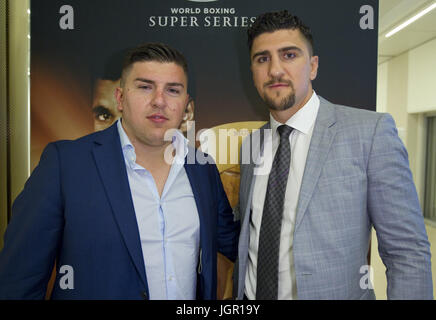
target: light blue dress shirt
<point>169,225</point>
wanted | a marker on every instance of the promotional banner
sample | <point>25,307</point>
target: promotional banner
<point>77,49</point>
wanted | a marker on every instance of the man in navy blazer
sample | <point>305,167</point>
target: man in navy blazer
<point>127,212</point>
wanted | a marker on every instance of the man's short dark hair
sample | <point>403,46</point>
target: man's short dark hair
<point>153,51</point>
<point>279,20</point>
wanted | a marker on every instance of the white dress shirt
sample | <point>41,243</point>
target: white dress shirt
<point>169,226</point>
<point>303,122</point>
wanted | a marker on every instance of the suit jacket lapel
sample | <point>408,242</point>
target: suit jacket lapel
<point>322,137</point>
<point>247,175</point>
<point>111,166</point>
<point>245,199</point>
<point>200,196</point>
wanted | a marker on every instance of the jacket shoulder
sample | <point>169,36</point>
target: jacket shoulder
<point>84,142</point>
<point>349,117</point>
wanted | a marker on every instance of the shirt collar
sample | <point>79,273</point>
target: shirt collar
<point>179,142</point>
<point>124,139</point>
<point>303,119</point>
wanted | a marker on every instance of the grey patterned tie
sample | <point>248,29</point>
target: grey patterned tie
<point>269,238</point>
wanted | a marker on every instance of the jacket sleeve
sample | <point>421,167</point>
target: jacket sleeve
<point>396,215</point>
<point>34,233</point>
<point>228,228</point>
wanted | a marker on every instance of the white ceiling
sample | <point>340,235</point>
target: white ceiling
<point>394,12</point>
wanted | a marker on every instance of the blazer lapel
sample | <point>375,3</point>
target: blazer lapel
<point>247,174</point>
<point>111,166</point>
<point>200,196</point>
<point>245,199</point>
<point>322,137</point>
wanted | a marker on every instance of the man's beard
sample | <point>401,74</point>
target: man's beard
<point>285,103</point>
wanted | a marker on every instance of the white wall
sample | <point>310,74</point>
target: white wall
<point>382,84</point>
<point>422,78</point>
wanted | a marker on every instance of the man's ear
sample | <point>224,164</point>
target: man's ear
<point>314,60</point>
<point>189,111</point>
<point>188,115</point>
<point>119,97</point>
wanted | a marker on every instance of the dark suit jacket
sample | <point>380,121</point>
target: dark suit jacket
<point>76,208</point>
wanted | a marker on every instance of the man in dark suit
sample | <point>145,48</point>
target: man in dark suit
<point>127,212</point>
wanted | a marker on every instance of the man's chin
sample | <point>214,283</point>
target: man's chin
<point>156,143</point>
<point>282,105</point>
<point>279,108</point>
<point>154,139</point>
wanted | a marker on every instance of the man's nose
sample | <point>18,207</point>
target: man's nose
<point>158,100</point>
<point>275,68</point>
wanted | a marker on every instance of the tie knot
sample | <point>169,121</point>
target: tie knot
<point>284,131</point>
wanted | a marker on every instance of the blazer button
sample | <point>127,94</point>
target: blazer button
<point>144,295</point>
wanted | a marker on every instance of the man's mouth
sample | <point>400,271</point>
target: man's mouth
<point>277,84</point>
<point>157,118</point>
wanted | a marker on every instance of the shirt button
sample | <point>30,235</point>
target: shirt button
<point>171,278</point>
<point>144,295</point>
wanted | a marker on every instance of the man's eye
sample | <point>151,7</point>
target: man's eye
<point>104,117</point>
<point>102,114</point>
<point>289,55</point>
<point>173,91</point>
<point>145,87</point>
<point>262,59</point>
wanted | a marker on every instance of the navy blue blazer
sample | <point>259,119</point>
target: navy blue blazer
<point>76,209</point>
